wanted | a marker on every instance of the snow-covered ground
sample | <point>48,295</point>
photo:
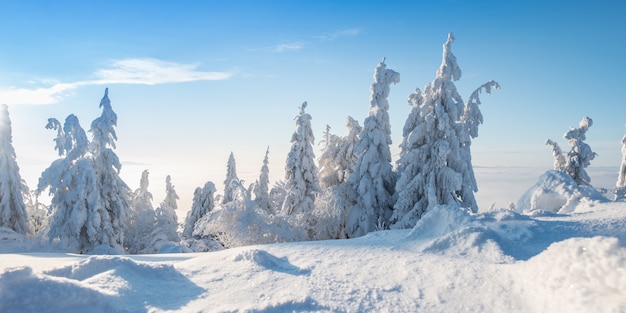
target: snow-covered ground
<point>453,261</point>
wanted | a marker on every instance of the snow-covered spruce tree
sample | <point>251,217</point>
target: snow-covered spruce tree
<point>230,188</point>
<point>435,160</point>
<point>336,164</point>
<point>301,174</point>
<point>262,189</point>
<point>278,193</point>
<point>37,212</point>
<point>338,156</point>
<point>347,156</point>
<point>142,219</point>
<point>167,221</point>
<point>579,156</point>
<point>114,193</point>
<point>203,202</point>
<point>620,186</point>
<point>557,153</point>
<point>373,180</point>
<point>13,213</point>
<point>328,174</point>
<point>79,220</point>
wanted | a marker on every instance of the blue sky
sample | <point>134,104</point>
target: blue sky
<point>192,81</point>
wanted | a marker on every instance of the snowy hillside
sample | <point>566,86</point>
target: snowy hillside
<point>452,261</point>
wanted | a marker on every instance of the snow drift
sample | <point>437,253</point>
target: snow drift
<point>557,192</point>
<point>451,261</point>
<point>96,284</point>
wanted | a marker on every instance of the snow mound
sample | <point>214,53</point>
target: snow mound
<point>440,221</point>
<point>21,290</point>
<point>172,247</point>
<point>96,265</point>
<point>270,262</point>
<point>557,192</point>
<point>498,236</point>
<point>12,241</point>
<point>97,284</point>
<point>585,273</point>
<point>203,245</point>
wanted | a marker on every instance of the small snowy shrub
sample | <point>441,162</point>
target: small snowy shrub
<point>242,222</point>
<point>580,155</point>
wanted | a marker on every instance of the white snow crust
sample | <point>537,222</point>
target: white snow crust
<point>452,261</point>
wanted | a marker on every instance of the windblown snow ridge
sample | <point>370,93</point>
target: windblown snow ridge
<point>503,236</point>
<point>97,284</point>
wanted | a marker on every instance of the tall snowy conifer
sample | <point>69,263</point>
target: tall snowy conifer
<point>336,165</point>
<point>231,182</point>
<point>579,156</point>
<point>329,174</point>
<point>167,221</point>
<point>301,174</point>
<point>373,179</point>
<point>142,219</point>
<point>203,203</point>
<point>339,156</point>
<point>142,198</point>
<point>114,193</point>
<point>347,156</point>
<point>262,189</point>
<point>620,186</point>
<point>435,161</point>
<point>79,220</point>
<point>13,213</point>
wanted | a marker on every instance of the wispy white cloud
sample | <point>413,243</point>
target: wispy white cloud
<point>350,32</point>
<point>37,95</point>
<point>152,72</point>
<point>299,45</point>
<point>294,46</point>
<point>127,71</point>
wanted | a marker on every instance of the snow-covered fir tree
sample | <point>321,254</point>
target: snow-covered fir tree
<point>301,174</point>
<point>142,198</point>
<point>339,156</point>
<point>13,213</point>
<point>262,188</point>
<point>278,193</point>
<point>467,129</point>
<point>557,153</point>
<point>579,156</point>
<point>203,202</point>
<point>620,185</point>
<point>347,156</point>
<point>373,180</point>
<point>167,221</point>
<point>142,219</point>
<point>230,183</point>
<point>435,161</point>
<point>114,193</point>
<point>336,164</point>
<point>79,220</point>
<point>38,213</point>
<point>328,173</point>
